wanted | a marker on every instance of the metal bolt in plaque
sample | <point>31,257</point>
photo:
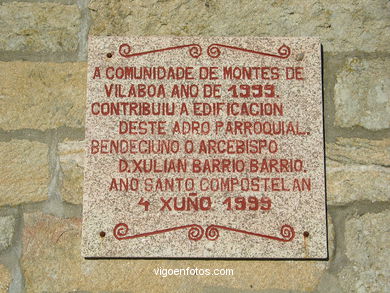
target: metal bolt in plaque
<point>204,147</point>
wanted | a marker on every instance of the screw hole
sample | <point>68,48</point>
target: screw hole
<point>102,234</point>
<point>109,55</point>
<point>300,56</point>
<point>306,234</point>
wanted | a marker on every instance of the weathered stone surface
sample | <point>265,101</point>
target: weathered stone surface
<point>341,25</point>
<point>72,155</point>
<point>362,94</point>
<point>5,279</point>
<point>7,228</point>
<point>357,169</point>
<point>360,151</point>
<point>368,248</point>
<point>49,95</point>
<point>39,27</point>
<point>329,284</point>
<point>24,172</point>
<point>351,182</point>
<point>52,261</point>
<point>331,237</point>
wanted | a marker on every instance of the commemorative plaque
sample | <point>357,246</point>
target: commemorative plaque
<point>204,147</point>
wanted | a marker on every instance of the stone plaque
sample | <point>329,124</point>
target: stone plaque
<point>204,147</point>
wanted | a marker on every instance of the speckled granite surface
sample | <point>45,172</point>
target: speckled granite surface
<point>248,190</point>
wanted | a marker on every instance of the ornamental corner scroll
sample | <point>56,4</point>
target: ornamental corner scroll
<point>196,232</point>
<point>213,50</point>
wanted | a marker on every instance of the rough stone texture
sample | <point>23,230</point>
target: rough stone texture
<point>39,27</point>
<point>351,182</point>
<point>331,238</point>
<point>362,94</point>
<point>71,155</point>
<point>52,262</point>
<point>328,284</point>
<point>24,172</point>
<point>49,95</point>
<point>368,248</point>
<point>357,169</point>
<point>5,279</point>
<point>7,227</point>
<point>341,25</point>
<point>360,151</point>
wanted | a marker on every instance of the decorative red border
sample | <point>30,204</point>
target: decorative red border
<point>196,232</point>
<point>195,50</point>
<point>287,232</point>
<point>213,51</point>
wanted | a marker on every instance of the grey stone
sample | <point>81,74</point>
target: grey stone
<point>7,228</point>
<point>328,284</point>
<point>49,95</point>
<point>357,169</point>
<point>352,182</point>
<point>24,172</point>
<point>39,27</point>
<point>71,155</point>
<point>367,240</point>
<point>360,151</point>
<point>362,94</point>
<point>342,25</point>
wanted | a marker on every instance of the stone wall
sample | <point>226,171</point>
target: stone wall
<point>42,103</point>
